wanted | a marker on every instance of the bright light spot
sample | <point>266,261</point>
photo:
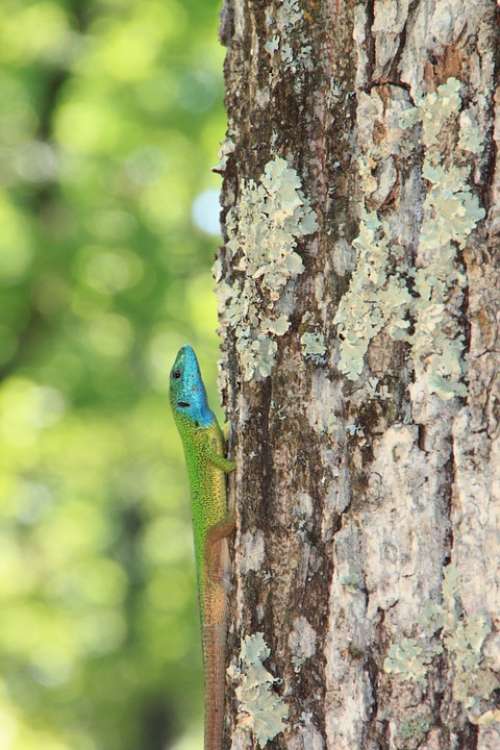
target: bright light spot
<point>205,211</point>
<point>109,271</point>
<point>110,335</point>
<point>36,161</point>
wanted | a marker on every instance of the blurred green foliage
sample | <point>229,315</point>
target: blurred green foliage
<point>111,112</point>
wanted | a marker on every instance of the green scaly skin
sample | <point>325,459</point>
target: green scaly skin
<point>203,444</point>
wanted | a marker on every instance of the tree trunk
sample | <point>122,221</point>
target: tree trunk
<point>357,310</point>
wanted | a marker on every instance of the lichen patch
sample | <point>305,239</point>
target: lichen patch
<point>261,710</point>
<point>264,228</point>
<point>461,638</point>
<point>379,297</point>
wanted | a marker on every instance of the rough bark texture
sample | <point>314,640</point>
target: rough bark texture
<point>357,305</point>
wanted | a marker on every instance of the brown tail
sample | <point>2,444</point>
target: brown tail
<point>214,639</point>
<point>214,632</point>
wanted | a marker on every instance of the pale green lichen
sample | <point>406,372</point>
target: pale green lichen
<point>287,25</point>
<point>434,111</point>
<point>471,681</point>
<point>313,345</point>
<point>260,352</point>
<point>353,582</point>
<point>272,44</point>
<point>461,639</point>
<point>410,659</point>
<point>302,642</point>
<point>451,211</point>
<point>289,13</point>
<point>260,709</point>
<point>278,326</point>
<point>471,138</point>
<point>415,729</point>
<point>263,230</point>
<point>226,148</point>
<point>378,298</point>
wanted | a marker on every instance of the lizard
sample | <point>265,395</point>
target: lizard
<point>203,443</point>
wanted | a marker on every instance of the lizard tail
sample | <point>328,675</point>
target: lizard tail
<point>214,639</point>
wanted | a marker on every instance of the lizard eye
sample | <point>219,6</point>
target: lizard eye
<point>184,404</point>
<point>176,374</point>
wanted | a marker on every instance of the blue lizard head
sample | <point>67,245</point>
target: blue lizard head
<point>187,391</point>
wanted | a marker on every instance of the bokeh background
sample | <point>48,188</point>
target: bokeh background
<point>111,115</point>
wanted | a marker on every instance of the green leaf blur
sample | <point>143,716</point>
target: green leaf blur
<point>110,117</point>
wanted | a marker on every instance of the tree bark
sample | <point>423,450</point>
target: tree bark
<point>361,216</point>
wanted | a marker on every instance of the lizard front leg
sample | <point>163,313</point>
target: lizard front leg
<point>222,463</point>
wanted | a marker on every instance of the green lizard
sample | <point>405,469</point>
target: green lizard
<point>203,443</point>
